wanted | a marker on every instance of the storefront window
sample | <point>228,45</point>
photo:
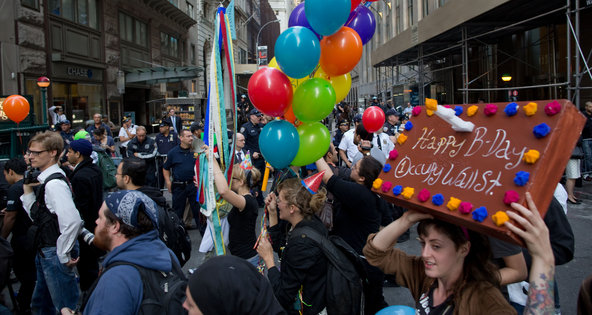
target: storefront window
<point>79,11</point>
<point>80,101</point>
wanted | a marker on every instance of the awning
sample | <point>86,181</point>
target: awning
<point>162,74</point>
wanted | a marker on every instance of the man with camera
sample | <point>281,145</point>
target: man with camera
<point>87,185</point>
<point>56,225</point>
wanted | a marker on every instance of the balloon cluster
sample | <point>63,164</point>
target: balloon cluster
<point>308,76</point>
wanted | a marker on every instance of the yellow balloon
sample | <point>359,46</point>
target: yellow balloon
<point>295,82</point>
<point>341,83</point>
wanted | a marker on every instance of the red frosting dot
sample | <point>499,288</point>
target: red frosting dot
<point>490,109</point>
<point>511,196</point>
<point>416,111</point>
<point>465,207</point>
<point>386,186</point>
<point>552,108</point>
<point>447,106</point>
<point>393,154</point>
<point>424,195</point>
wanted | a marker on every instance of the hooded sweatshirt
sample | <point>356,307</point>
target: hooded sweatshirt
<point>120,288</point>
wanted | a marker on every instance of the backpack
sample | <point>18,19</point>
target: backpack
<point>173,234</point>
<point>164,292</point>
<point>345,272</point>
<point>108,169</point>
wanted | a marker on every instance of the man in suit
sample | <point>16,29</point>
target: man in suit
<point>174,121</point>
<point>239,151</point>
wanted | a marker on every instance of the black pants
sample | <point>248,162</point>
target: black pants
<point>88,265</point>
<point>24,269</point>
<point>183,193</point>
<point>123,152</point>
<point>373,290</point>
<point>150,172</point>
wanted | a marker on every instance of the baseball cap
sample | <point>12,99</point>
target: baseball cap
<point>66,122</point>
<point>392,111</point>
<point>344,122</point>
<point>125,119</point>
<point>126,204</point>
<point>357,118</point>
<point>254,111</point>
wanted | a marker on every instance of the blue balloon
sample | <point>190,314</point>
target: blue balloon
<point>297,52</point>
<point>298,18</point>
<point>279,143</point>
<point>396,310</point>
<point>327,16</point>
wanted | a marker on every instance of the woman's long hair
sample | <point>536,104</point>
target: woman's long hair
<point>477,268</point>
<point>296,194</point>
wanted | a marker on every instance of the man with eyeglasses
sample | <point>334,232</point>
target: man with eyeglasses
<point>239,148</point>
<point>56,225</point>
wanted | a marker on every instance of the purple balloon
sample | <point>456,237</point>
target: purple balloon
<point>363,22</point>
<point>298,18</point>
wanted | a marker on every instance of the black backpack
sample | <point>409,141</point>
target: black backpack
<point>164,292</point>
<point>345,272</point>
<point>173,234</point>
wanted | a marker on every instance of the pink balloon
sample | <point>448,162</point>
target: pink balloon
<point>373,118</point>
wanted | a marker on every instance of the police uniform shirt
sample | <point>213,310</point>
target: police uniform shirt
<point>147,149</point>
<point>389,129</point>
<point>181,162</point>
<point>251,133</point>
<point>383,142</point>
<point>166,143</point>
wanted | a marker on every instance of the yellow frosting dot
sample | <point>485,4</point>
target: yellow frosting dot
<point>530,108</point>
<point>531,156</point>
<point>472,110</point>
<point>408,192</point>
<point>431,104</point>
<point>377,183</point>
<point>401,139</point>
<point>429,112</point>
<point>499,218</point>
<point>453,204</point>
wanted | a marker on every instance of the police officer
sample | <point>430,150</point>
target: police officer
<point>181,162</point>
<point>251,130</point>
<point>166,140</point>
<point>391,126</point>
<point>144,147</point>
<point>243,108</point>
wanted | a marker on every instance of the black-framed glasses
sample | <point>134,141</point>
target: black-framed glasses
<point>35,153</point>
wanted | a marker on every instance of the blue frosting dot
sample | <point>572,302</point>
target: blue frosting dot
<point>511,109</point>
<point>479,214</point>
<point>521,178</point>
<point>408,126</point>
<point>438,199</point>
<point>458,110</point>
<point>541,130</point>
<point>397,190</point>
<point>386,168</point>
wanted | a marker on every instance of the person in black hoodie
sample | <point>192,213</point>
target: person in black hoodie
<point>130,176</point>
<point>87,186</point>
<point>300,286</point>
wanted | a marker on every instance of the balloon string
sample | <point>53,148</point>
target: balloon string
<point>20,136</point>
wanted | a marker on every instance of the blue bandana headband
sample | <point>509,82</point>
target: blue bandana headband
<point>126,203</point>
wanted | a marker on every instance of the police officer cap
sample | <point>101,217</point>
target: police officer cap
<point>66,122</point>
<point>357,118</point>
<point>164,123</point>
<point>344,122</point>
<point>196,126</point>
<point>254,111</point>
<point>243,96</point>
<point>392,111</point>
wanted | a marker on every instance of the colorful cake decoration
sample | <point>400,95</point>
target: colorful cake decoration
<point>429,112</point>
<point>458,110</point>
<point>408,125</point>
<point>480,214</point>
<point>431,104</point>
<point>465,207</point>
<point>531,156</point>
<point>423,195</point>
<point>521,178</point>
<point>386,186</point>
<point>397,190</point>
<point>438,199</point>
<point>401,138</point>
<point>386,168</point>
<point>377,183</point>
<point>416,111</point>
<point>499,218</point>
<point>472,110</point>
<point>541,130</point>
<point>408,192</point>
<point>552,108</point>
<point>490,109</point>
<point>453,204</point>
<point>511,109</point>
<point>393,154</point>
<point>530,109</point>
<point>511,196</point>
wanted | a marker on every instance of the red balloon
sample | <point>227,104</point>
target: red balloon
<point>16,108</point>
<point>270,91</point>
<point>354,4</point>
<point>373,118</point>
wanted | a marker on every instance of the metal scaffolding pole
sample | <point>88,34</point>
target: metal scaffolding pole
<point>420,81</point>
<point>465,65</point>
<point>577,68</point>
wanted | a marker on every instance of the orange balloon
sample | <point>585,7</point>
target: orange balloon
<point>16,108</point>
<point>289,116</point>
<point>341,52</point>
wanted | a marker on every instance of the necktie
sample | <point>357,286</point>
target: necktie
<point>239,156</point>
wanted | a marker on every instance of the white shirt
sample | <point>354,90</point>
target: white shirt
<point>386,144</point>
<point>347,144</point>
<point>59,200</point>
<point>122,133</point>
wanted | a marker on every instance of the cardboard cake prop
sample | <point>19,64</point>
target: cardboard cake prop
<point>466,164</point>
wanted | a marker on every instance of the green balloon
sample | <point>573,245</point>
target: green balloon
<point>313,100</point>
<point>314,143</point>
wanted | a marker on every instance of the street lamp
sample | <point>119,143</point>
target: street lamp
<point>257,43</point>
<point>506,77</point>
<point>43,83</point>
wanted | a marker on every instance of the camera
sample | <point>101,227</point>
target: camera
<point>87,236</point>
<point>30,176</point>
